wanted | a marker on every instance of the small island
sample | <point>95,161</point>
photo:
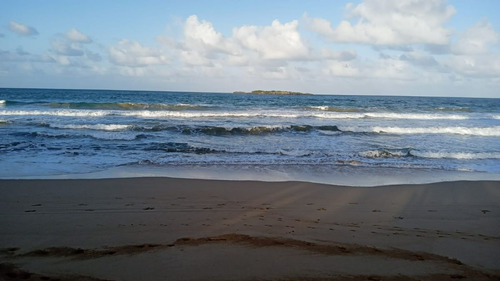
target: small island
<point>273,92</point>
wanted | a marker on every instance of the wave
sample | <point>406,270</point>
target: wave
<point>408,152</point>
<point>173,147</point>
<point>128,106</point>
<point>98,127</point>
<point>116,136</point>
<point>184,129</point>
<point>484,132</point>
<point>389,115</point>
<point>453,109</point>
<point>387,153</point>
<point>63,113</point>
<point>457,155</point>
<point>30,135</point>
<point>253,130</point>
<point>230,114</point>
<point>271,129</point>
<point>333,109</point>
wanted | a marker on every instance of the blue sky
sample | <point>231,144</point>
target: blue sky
<point>383,47</point>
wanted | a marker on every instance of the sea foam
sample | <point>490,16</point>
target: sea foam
<point>484,132</point>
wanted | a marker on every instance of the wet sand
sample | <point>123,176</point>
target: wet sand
<point>188,229</point>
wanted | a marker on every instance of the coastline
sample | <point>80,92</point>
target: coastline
<point>345,175</point>
<point>194,229</point>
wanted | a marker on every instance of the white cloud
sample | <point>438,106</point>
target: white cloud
<point>22,29</point>
<point>77,36</point>
<point>202,44</point>
<point>203,37</point>
<point>133,54</point>
<point>474,53</point>
<point>195,58</point>
<point>390,22</point>
<point>266,48</point>
<point>385,67</point>
<point>72,49</point>
<point>278,41</point>
<point>475,66</point>
<point>64,48</point>
<point>476,40</point>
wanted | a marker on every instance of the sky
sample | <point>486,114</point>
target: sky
<point>369,47</point>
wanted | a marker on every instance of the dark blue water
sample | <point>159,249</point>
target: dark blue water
<point>52,132</point>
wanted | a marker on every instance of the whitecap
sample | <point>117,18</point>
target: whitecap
<point>457,155</point>
<point>65,113</point>
<point>98,127</point>
<point>484,132</point>
<point>388,115</point>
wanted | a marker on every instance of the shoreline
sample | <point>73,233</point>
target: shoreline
<point>248,230</point>
<point>345,175</point>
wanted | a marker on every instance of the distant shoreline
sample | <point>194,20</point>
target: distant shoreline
<point>272,92</point>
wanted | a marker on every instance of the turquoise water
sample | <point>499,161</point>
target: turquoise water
<point>68,132</point>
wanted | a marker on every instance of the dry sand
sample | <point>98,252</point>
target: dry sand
<point>185,229</point>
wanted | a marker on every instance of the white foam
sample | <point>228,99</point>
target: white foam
<point>65,113</point>
<point>485,132</point>
<point>2,101</point>
<point>457,155</point>
<point>320,107</point>
<point>383,153</point>
<point>387,115</point>
<point>416,116</point>
<point>234,114</point>
<point>99,127</point>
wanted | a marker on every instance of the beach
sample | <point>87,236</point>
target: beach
<point>190,229</point>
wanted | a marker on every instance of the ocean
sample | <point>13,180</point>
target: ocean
<point>323,138</point>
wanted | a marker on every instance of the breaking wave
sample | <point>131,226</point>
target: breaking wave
<point>230,114</point>
<point>98,127</point>
<point>272,129</point>
<point>484,132</point>
<point>408,152</point>
<point>128,106</point>
<point>256,130</point>
<point>333,109</point>
<point>457,155</point>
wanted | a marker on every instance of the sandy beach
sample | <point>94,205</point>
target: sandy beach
<point>188,229</point>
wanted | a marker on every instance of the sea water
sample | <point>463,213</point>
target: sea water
<point>50,133</point>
